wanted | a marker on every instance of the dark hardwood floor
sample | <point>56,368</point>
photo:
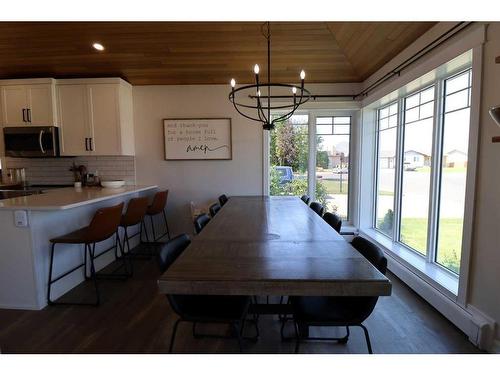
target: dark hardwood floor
<point>135,318</point>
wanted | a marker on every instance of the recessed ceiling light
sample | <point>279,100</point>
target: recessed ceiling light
<point>98,46</point>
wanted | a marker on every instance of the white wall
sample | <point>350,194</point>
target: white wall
<point>484,290</point>
<point>203,181</point>
<point>198,181</point>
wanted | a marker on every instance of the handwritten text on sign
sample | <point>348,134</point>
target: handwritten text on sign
<point>187,139</point>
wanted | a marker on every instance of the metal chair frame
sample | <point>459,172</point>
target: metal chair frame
<point>94,276</point>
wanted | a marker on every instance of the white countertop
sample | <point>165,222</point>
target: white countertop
<point>70,197</point>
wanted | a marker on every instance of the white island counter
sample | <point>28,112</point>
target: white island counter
<point>24,250</point>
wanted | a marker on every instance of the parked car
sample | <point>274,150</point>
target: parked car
<point>285,173</point>
<point>409,166</point>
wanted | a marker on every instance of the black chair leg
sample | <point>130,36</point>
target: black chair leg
<point>367,337</point>
<point>174,332</point>
<point>236,330</point>
<point>297,337</point>
<point>344,339</point>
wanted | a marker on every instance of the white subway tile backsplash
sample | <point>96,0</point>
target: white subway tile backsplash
<point>56,171</point>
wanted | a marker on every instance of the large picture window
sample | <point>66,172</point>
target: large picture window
<point>421,160</point>
<point>417,158</point>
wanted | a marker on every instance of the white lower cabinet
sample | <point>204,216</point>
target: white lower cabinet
<point>95,117</point>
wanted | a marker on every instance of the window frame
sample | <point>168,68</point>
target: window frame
<point>311,179</point>
<point>349,169</point>
<point>436,166</point>
<point>376,181</point>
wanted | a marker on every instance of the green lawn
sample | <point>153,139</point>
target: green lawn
<point>414,234</point>
<point>333,186</point>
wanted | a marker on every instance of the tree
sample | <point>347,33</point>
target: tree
<point>387,222</point>
<point>286,150</point>
<point>322,159</point>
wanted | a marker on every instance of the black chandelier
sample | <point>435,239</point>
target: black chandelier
<point>257,101</point>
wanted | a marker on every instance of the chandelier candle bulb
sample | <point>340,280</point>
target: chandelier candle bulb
<point>256,69</point>
<point>302,75</point>
<point>233,83</point>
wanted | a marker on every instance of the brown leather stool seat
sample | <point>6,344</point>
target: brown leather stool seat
<point>157,207</point>
<point>136,210</point>
<point>104,225</point>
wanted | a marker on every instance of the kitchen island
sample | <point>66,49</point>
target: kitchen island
<point>26,226</point>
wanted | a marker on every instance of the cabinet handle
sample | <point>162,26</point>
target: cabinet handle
<point>28,111</point>
<point>24,115</point>
<point>86,144</point>
<point>91,147</point>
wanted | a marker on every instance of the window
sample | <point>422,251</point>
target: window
<point>288,156</point>
<point>386,167</point>
<point>454,152</point>
<point>417,150</point>
<point>332,162</point>
<point>421,169</point>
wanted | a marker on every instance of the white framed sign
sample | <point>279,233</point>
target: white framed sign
<point>198,139</point>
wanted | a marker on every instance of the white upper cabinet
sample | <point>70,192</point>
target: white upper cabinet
<point>14,105</point>
<point>95,117</point>
<point>73,120</point>
<point>28,102</point>
<point>41,109</point>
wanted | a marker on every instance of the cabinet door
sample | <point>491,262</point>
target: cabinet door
<point>40,101</point>
<point>14,101</point>
<point>105,119</point>
<point>73,114</point>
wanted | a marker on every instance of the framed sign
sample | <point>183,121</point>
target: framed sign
<point>198,139</point>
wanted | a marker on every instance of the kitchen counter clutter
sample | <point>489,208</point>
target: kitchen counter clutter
<point>66,198</point>
<point>28,223</point>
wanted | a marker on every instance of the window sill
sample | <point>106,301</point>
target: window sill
<point>438,277</point>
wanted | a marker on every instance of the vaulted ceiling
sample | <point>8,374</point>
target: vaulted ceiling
<point>202,52</point>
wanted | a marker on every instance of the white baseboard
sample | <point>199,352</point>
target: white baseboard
<point>476,325</point>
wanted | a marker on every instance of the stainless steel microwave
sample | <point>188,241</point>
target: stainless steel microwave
<point>31,141</point>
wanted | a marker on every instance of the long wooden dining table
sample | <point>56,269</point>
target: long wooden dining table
<point>260,245</point>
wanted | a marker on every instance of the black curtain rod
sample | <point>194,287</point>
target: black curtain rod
<point>396,71</point>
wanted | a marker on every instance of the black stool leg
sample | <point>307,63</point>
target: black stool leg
<point>49,301</point>
<point>166,224</point>
<point>92,271</point>
<point>153,228</point>
<point>124,256</point>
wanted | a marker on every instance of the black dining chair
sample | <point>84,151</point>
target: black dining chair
<point>318,208</point>
<point>223,200</point>
<point>306,199</point>
<point>200,221</point>
<point>338,311</point>
<point>214,208</point>
<point>333,220</point>
<point>195,309</point>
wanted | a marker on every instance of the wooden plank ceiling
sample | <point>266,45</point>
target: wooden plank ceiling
<point>202,52</point>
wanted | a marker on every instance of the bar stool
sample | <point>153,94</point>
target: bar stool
<point>135,213</point>
<point>158,207</point>
<point>104,225</point>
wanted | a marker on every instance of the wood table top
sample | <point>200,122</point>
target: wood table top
<point>271,246</point>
